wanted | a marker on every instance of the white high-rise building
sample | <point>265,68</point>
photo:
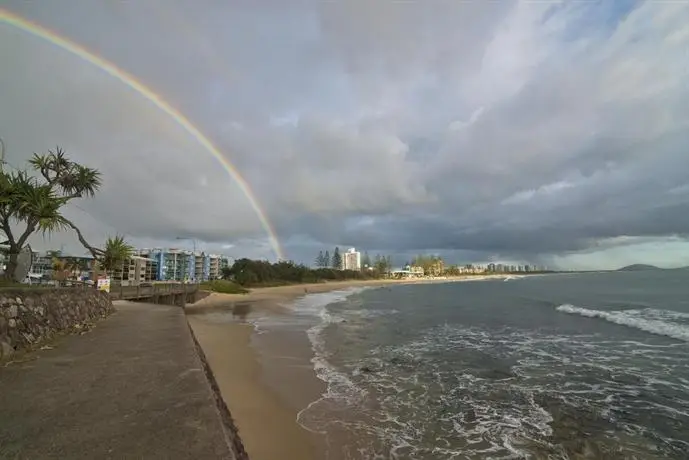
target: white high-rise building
<point>351,260</point>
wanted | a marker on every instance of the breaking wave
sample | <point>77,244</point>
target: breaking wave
<point>338,384</point>
<point>454,390</point>
<point>660,322</point>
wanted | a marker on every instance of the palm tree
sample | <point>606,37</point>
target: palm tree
<point>36,202</point>
<point>116,252</point>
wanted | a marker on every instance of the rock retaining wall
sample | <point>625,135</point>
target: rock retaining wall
<point>29,317</point>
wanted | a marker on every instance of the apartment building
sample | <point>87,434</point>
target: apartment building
<point>214,264</point>
<point>225,262</point>
<point>136,270</point>
<point>181,265</point>
<point>351,260</point>
<point>170,264</point>
<point>208,266</point>
<point>42,264</point>
<point>200,267</point>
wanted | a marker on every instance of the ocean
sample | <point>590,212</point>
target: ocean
<point>544,367</point>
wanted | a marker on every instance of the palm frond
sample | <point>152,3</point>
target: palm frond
<point>70,178</point>
<point>116,252</point>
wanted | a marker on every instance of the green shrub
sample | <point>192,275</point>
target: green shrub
<point>223,287</point>
<point>261,273</point>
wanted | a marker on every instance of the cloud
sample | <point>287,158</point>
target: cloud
<point>521,130</point>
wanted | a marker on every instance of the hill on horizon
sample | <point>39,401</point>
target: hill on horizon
<point>638,268</point>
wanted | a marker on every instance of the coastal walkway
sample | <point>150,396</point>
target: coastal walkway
<point>132,387</point>
<point>167,293</point>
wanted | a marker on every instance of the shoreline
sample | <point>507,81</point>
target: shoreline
<point>267,380</point>
<point>290,292</point>
<point>265,424</point>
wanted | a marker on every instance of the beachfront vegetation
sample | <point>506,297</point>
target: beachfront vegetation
<point>253,273</point>
<point>381,264</point>
<point>4,283</point>
<point>223,287</point>
<point>116,252</point>
<point>31,203</point>
<point>63,269</point>
<point>431,264</point>
<point>320,260</point>
<point>337,259</point>
<point>366,260</point>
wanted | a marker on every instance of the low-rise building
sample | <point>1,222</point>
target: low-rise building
<point>136,270</point>
<point>415,270</point>
<point>42,263</point>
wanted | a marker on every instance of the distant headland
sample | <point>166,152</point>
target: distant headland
<point>646,267</point>
<point>638,268</point>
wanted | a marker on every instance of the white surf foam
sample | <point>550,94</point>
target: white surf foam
<point>338,384</point>
<point>659,322</point>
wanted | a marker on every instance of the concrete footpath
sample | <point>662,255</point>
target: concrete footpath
<point>132,387</point>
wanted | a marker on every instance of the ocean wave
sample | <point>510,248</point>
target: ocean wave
<point>659,322</point>
<point>562,383</point>
<point>458,390</point>
<point>315,303</point>
<point>542,390</point>
<point>338,385</point>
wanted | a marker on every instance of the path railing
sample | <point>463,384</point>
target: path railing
<point>148,290</point>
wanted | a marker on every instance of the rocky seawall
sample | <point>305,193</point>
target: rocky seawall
<point>32,316</point>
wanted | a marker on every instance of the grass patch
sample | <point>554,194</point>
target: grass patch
<point>7,284</point>
<point>223,287</point>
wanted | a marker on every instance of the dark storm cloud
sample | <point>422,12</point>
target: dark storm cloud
<point>477,129</point>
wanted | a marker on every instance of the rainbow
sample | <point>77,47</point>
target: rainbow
<point>110,68</point>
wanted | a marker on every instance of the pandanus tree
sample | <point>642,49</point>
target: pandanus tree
<point>33,203</point>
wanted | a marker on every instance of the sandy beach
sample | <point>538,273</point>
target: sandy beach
<point>263,389</point>
<point>266,424</point>
<point>266,379</point>
<point>286,293</point>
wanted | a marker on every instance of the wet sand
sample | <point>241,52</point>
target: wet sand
<point>267,425</point>
<point>266,379</point>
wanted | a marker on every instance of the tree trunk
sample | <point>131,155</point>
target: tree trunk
<point>12,264</point>
<point>95,252</point>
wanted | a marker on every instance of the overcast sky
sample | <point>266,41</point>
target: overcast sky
<point>541,132</point>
